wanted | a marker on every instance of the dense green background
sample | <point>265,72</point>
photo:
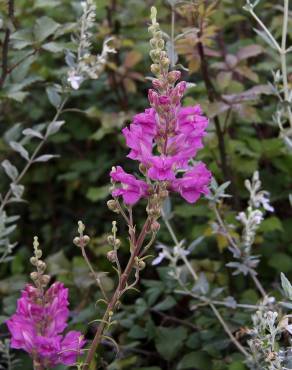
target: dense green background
<point>156,329</point>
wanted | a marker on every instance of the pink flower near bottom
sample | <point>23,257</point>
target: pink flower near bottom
<point>38,323</point>
<point>131,188</point>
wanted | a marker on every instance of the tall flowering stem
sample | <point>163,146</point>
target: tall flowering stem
<point>163,139</point>
<point>41,318</point>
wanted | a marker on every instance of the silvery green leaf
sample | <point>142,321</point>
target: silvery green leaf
<point>53,47</point>
<point>53,96</point>
<point>195,243</point>
<point>265,37</point>
<point>10,170</point>
<point>44,28</point>
<point>230,302</point>
<point>171,52</point>
<point>286,285</point>
<point>202,285</point>
<point>290,199</point>
<point>14,133</point>
<point>33,133</point>
<point>18,96</point>
<point>70,59</point>
<point>20,149</point>
<point>7,231</point>
<point>54,127</point>
<point>167,208</point>
<point>17,190</point>
<point>45,157</point>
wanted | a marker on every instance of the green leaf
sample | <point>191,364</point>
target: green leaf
<point>271,224</point>
<point>137,332</point>
<point>44,28</point>
<point>282,262</point>
<point>53,96</point>
<point>286,285</point>
<point>196,360</point>
<point>169,341</point>
<point>20,149</point>
<point>166,304</point>
<point>10,170</point>
<point>97,193</point>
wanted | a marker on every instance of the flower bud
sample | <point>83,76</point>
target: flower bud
<point>141,265</point>
<point>41,265</point>
<point>157,84</point>
<point>33,260</point>
<point>153,97</point>
<point>165,62</point>
<point>155,226</point>
<point>155,68</point>
<point>86,239</point>
<point>155,55</point>
<point>45,279</point>
<point>111,256</point>
<point>113,206</point>
<point>77,241</point>
<point>160,43</point>
<point>173,76</point>
<point>142,169</point>
<point>111,240</point>
<point>117,243</point>
<point>34,275</point>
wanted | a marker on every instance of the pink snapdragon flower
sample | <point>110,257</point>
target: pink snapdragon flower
<point>164,139</point>
<point>131,189</point>
<point>38,324</point>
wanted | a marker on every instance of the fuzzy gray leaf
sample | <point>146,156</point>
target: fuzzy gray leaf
<point>10,170</point>
<point>20,149</point>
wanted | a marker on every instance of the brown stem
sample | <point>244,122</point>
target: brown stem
<point>117,294</point>
<point>5,48</point>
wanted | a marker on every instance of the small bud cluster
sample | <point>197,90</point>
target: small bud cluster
<point>38,277</point>
<point>114,242</point>
<point>158,55</point>
<point>81,240</point>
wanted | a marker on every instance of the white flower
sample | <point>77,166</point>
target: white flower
<point>74,80</point>
<point>159,258</point>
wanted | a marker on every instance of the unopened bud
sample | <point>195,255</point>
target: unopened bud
<point>160,43</point>
<point>86,239</point>
<point>153,97</point>
<point>38,253</point>
<point>77,241</point>
<point>46,279</point>
<point>155,226</point>
<point>165,62</point>
<point>33,260</point>
<point>111,256</point>
<point>117,243</point>
<point>157,84</point>
<point>140,264</point>
<point>173,76</point>
<point>34,275</point>
<point>155,69</point>
<point>41,265</point>
<point>155,55</point>
<point>113,206</point>
<point>110,240</point>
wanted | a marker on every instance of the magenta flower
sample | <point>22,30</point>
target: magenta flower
<point>38,323</point>
<point>131,189</point>
<point>164,139</point>
<point>194,183</point>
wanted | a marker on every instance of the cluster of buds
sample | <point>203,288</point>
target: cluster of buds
<point>38,277</point>
<point>114,242</point>
<point>158,55</point>
<point>81,240</point>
